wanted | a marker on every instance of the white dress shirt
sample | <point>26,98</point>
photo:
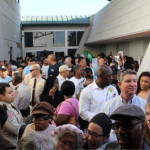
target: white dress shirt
<point>116,102</point>
<point>61,80</point>
<point>92,99</point>
<point>78,85</point>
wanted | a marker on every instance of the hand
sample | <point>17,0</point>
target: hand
<point>3,114</point>
<point>52,91</point>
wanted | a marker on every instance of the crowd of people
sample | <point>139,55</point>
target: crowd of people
<point>66,103</point>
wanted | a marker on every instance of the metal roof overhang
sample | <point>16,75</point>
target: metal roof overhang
<point>131,37</point>
<point>55,21</point>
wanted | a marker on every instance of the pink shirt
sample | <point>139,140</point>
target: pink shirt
<point>67,109</point>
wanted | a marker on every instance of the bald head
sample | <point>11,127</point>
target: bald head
<point>104,76</point>
<point>35,67</point>
<point>104,69</point>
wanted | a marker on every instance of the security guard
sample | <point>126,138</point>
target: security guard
<point>36,84</point>
<point>10,118</point>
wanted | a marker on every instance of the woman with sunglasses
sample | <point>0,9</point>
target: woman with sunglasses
<point>143,90</point>
<point>42,114</point>
<point>51,94</point>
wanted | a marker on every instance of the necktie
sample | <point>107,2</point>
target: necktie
<point>33,92</point>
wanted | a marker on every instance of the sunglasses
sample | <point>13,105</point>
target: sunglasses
<point>124,125</point>
<point>41,116</point>
<point>32,70</point>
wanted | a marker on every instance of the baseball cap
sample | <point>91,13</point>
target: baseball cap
<point>3,68</point>
<point>43,108</point>
<point>64,68</point>
<point>128,111</point>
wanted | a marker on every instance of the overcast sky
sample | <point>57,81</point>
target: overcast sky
<point>61,7</point>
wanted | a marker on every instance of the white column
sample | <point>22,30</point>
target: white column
<point>145,65</point>
<point>23,44</point>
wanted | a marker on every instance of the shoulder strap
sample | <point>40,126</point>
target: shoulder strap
<point>21,131</point>
<point>70,104</point>
<point>73,107</point>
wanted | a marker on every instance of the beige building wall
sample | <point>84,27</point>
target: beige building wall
<point>9,29</point>
<point>123,25</point>
<point>120,18</point>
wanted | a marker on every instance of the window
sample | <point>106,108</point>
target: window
<point>49,39</point>
<point>71,52</point>
<point>39,39</point>
<point>28,39</point>
<point>72,38</point>
<point>79,36</point>
<point>59,39</point>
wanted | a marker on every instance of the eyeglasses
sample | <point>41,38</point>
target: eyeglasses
<point>124,125</point>
<point>41,116</point>
<point>93,134</point>
<point>32,70</point>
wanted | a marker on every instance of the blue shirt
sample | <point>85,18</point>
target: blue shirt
<point>26,70</point>
<point>7,79</point>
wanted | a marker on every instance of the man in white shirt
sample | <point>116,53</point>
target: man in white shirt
<point>78,80</point>
<point>94,95</point>
<point>44,68</point>
<point>127,82</point>
<point>63,73</point>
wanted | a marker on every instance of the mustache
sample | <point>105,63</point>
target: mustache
<point>122,136</point>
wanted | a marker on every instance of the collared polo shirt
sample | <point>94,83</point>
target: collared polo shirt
<point>116,102</point>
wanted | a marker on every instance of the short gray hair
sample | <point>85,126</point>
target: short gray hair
<point>66,60</point>
<point>35,141</point>
<point>17,75</point>
<point>122,73</point>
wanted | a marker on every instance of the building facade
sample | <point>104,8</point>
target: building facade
<point>123,25</point>
<point>10,20</point>
<point>60,35</point>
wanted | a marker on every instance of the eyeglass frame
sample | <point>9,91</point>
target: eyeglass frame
<point>93,134</point>
<point>123,127</point>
